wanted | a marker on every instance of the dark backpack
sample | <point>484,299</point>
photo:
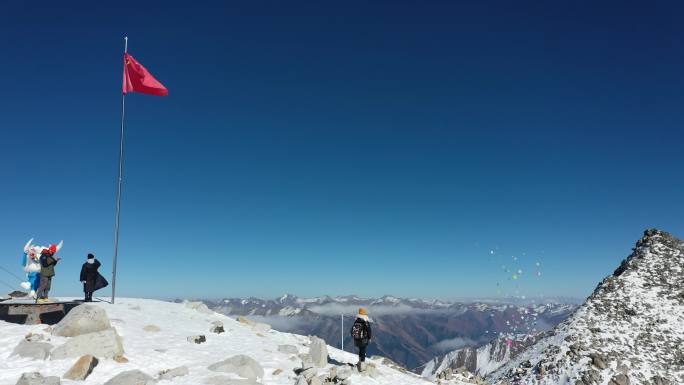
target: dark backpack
<point>358,332</point>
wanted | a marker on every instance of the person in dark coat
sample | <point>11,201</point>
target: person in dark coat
<point>362,334</point>
<point>89,276</point>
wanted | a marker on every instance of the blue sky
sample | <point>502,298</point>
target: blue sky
<point>334,148</point>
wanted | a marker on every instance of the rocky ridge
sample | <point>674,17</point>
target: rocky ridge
<point>629,331</point>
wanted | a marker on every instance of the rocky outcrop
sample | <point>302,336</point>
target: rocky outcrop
<point>82,319</point>
<point>81,369</point>
<point>243,366</point>
<point>629,331</point>
<point>104,344</point>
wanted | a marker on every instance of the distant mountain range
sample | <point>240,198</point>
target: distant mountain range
<point>411,332</point>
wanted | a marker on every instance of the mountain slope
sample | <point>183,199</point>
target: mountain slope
<point>165,346</point>
<point>629,331</point>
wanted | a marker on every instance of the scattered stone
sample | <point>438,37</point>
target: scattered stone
<point>598,360</point>
<point>309,373</point>
<point>82,319</point>
<point>277,371</point>
<point>131,377</point>
<point>199,339</point>
<point>173,373</point>
<point>161,350</point>
<point>289,349</point>
<point>121,359</point>
<point>35,350</point>
<point>301,381</point>
<point>104,344</point>
<point>657,380</point>
<point>136,307</point>
<point>199,306</point>
<point>81,369</point>
<point>246,321</point>
<point>217,327</point>
<point>344,373</point>
<point>151,328</point>
<point>35,378</point>
<point>261,327</point>
<point>34,337</point>
<point>318,350</point>
<point>619,379</point>
<point>315,381</point>
<point>243,366</point>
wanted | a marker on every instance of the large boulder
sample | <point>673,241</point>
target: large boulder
<point>131,377</point>
<point>104,344</point>
<point>318,350</point>
<point>82,319</point>
<point>35,378</point>
<point>81,369</point>
<point>243,366</point>
<point>35,350</point>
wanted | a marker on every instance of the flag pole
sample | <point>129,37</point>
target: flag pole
<point>119,183</point>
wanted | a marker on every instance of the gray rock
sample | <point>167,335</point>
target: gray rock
<point>81,369</point>
<point>173,373</point>
<point>35,378</point>
<point>598,360</point>
<point>217,327</point>
<point>131,377</point>
<point>344,373</point>
<point>82,319</point>
<point>318,350</point>
<point>307,362</point>
<point>591,377</point>
<point>241,365</point>
<point>104,344</point>
<point>657,380</point>
<point>288,349</point>
<point>35,350</point>
<point>199,339</point>
<point>619,379</point>
<point>301,381</point>
<point>315,381</point>
<point>308,373</point>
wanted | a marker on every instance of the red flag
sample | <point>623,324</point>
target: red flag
<point>138,79</point>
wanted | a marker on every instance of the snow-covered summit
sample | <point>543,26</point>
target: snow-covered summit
<point>629,331</point>
<point>155,339</point>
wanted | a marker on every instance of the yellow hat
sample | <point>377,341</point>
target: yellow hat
<point>362,311</point>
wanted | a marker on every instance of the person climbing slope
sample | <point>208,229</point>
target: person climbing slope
<point>91,278</point>
<point>361,333</point>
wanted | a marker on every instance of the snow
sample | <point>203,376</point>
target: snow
<point>169,348</point>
